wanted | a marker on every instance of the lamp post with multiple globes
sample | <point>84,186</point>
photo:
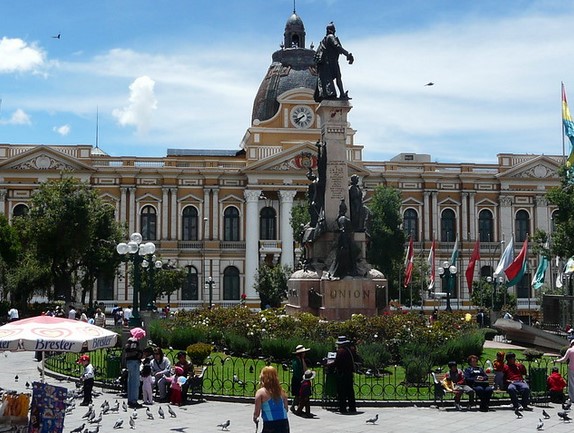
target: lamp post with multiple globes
<point>447,274</point>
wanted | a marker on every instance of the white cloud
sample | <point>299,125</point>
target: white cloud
<point>62,130</point>
<point>17,56</point>
<point>19,117</point>
<point>142,103</point>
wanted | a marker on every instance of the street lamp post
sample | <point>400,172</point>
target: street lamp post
<point>147,263</point>
<point>447,274</point>
<point>136,251</point>
<point>209,284</point>
<point>494,280</point>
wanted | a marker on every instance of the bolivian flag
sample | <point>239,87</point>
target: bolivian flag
<point>568,127</point>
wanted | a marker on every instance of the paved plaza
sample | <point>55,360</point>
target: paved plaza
<point>205,417</point>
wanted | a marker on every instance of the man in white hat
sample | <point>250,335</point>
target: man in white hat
<point>299,366</point>
<point>345,367</point>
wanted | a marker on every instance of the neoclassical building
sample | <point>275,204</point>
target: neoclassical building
<point>220,213</point>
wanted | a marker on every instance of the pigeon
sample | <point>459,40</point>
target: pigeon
<point>430,83</point>
<point>518,413</point>
<point>97,430</point>
<point>545,414</point>
<point>124,406</point>
<point>86,431</point>
<point>115,407</point>
<point>132,423</point>
<point>161,413</point>
<point>104,405</point>
<point>135,414</point>
<point>89,412</point>
<point>119,423</point>
<point>373,420</point>
<point>97,420</point>
<point>78,429</point>
<point>148,413</point>
<point>564,416</point>
<point>70,408</point>
<point>16,380</point>
<point>540,425</point>
<point>27,384</point>
<point>224,425</point>
<point>92,416</point>
<point>171,412</point>
<point>567,405</point>
<point>237,380</point>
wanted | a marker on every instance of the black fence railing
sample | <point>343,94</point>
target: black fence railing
<point>238,377</point>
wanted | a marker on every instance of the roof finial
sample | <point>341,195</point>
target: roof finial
<point>294,7</point>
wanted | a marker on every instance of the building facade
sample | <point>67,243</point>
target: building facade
<point>221,213</point>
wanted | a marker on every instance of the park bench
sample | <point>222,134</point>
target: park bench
<point>195,389</point>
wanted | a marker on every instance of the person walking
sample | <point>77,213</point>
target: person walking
<point>344,365</point>
<point>298,366</point>
<point>271,403</point>
<point>87,379</point>
<point>569,358</point>
<point>133,355</point>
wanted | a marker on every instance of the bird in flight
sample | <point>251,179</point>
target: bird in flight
<point>430,83</point>
<point>58,36</point>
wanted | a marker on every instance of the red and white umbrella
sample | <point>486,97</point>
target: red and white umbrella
<point>46,333</point>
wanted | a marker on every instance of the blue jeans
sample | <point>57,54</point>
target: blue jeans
<point>519,387</point>
<point>133,367</point>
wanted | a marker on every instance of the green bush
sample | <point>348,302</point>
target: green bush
<point>460,348</point>
<point>374,356</point>
<point>278,348</point>
<point>489,333</point>
<point>416,368</point>
<point>239,344</point>
<point>184,336</point>
<point>158,334</point>
<point>198,352</point>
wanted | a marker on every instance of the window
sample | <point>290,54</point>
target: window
<point>189,223</point>
<point>231,283</point>
<point>189,290</point>
<point>231,224</point>
<point>20,210</point>
<point>553,221</point>
<point>105,289</point>
<point>522,225</point>
<point>411,224</point>
<point>148,223</point>
<point>447,226</point>
<point>485,226</point>
<point>523,287</point>
<point>267,224</point>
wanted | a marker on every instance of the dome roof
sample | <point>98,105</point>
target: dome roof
<point>292,67</point>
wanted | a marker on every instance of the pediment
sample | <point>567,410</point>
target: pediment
<point>412,202</point>
<point>539,167</point>
<point>486,202</point>
<point>449,201</point>
<point>149,198</point>
<point>44,158</point>
<point>192,198</point>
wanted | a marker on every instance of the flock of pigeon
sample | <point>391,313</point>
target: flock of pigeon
<point>563,415</point>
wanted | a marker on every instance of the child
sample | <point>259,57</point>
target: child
<point>87,378</point>
<point>454,381</point>
<point>147,384</point>
<point>175,394</point>
<point>305,392</point>
<point>498,370</point>
<point>556,385</point>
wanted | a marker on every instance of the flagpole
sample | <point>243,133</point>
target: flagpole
<point>562,121</point>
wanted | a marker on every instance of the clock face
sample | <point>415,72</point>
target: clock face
<point>302,116</point>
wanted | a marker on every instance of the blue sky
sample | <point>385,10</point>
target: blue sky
<point>167,74</point>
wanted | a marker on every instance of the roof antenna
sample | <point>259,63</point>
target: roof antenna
<point>97,126</point>
<point>294,7</point>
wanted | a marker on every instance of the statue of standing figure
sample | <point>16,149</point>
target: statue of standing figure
<point>327,60</point>
<point>347,252</point>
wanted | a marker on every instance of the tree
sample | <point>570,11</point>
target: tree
<point>386,246</point>
<point>299,218</point>
<point>67,226</point>
<point>271,284</point>
<point>30,277</point>
<point>563,198</point>
<point>168,281</point>
<point>483,296</point>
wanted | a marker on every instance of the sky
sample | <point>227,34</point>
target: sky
<point>159,74</point>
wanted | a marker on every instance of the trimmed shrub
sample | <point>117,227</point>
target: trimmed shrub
<point>158,334</point>
<point>185,336</point>
<point>198,352</point>
<point>374,356</point>
<point>240,344</point>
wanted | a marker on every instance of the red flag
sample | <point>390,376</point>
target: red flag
<point>516,270</point>
<point>470,270</point>
<point>409,263</point>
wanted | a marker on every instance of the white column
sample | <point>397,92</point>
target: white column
<point>164,213</point>
<point>464,217</point>
<point>251,241</point>
<point>3,194</point>
<point>425,217</point>
<point>473,220</point>
<point>123,204</point>
<point>133,213</point>
<point>215,213</point>
<point>174,216</point>
<point>205,224</point>
<point>506,217</point>
<point>542,221</point>
<point>436,216</point>
<point>286,233</point>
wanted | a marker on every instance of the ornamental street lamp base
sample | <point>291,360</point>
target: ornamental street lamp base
<point>134,321</point>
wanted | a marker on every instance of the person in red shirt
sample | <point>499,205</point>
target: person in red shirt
<point>556,385</point>
<point>514,373</point>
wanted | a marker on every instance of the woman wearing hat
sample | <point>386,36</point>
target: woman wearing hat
<point>569,357</point>
<point>133,355</point>
<point>345,367</point>
<point>299,366</point>
<point>305,392</point>
<point>87,379</point>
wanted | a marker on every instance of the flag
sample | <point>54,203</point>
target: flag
<point>409,263</point>
<point>454,254</point>
<point>506,258</point>
<point>517,268</point>
<point>430,261</point>
<point>538,280</point>
<point>569,267</point>
<point>472,261</point>
<point>568,127</point>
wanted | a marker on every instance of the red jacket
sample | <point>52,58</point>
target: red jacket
<point>556,382</point>
<point>514,372</point>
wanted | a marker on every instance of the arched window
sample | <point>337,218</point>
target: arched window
<point>447,226</point>
<point>553,221</point>
<point>231,224</point>
<point>411,224</point>
<point>522,225</point>
<point>485,226</point>
<point>267,224</point>
<point>189,290</point>
<point>148,223</point>
<point>20,210</point>
<point>189,224</point>
<point>231,284</point>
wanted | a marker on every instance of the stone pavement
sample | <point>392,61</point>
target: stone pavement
<point>204,417</point>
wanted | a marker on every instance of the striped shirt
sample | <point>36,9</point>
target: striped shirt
<point>273,410</point>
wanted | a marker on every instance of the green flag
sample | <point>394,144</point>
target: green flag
<point>538,280</point>
<point>454,254</point>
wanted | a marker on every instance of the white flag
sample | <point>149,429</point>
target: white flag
<point>506,259</point>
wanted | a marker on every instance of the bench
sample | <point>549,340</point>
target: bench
<point>440,391</point>
<point>195,387</point>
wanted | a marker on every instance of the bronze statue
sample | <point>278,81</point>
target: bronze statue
<point>347,252</point>
<point>327,60</point>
